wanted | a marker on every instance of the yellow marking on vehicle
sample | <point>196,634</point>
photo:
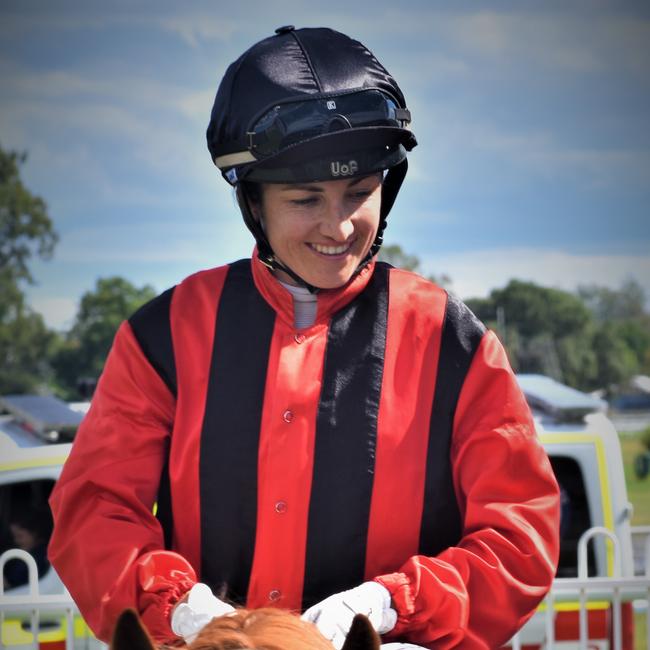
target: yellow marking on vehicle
<point>14,634</point>
<point>575,606</point>
<point>603,476</point>
<point>33,462</point>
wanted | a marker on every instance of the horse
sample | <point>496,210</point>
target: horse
<point>255,629</point>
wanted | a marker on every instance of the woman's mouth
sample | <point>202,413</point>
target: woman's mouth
<point>331,250</point>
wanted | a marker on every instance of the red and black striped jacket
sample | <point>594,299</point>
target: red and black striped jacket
<point>388,441</point>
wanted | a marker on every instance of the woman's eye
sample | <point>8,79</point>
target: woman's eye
<point>361,195</point>
<point>307,201</point>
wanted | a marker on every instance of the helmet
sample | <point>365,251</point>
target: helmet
<point>308,105</point>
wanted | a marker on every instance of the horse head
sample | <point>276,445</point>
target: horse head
<point>271,629</point>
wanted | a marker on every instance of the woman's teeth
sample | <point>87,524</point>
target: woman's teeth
<point>330,250</point>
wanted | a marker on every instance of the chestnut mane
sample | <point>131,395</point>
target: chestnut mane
<point>271,629</point>
<point>259,629</point>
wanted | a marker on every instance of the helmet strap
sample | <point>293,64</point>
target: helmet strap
<point>264,250</point>
<point>389,190</point>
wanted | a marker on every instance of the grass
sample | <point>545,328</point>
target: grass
<point>638,490</point>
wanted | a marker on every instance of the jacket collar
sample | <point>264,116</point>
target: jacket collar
<point>329,300</point>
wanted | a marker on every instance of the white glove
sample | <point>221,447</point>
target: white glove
<point>190,617</point>
<point>334,615</point>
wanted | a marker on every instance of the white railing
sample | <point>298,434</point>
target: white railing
<point>641,549</point>
<point>582,590</point>
<point>35,607</point>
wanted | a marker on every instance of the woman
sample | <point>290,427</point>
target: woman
<point>320,431</point>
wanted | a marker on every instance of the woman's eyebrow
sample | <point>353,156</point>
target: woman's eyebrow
<point>305,187</point>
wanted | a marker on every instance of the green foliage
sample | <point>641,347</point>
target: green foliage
<point>25,227</point>
<point>25,230</point>
<point>596,339</point>
<point>536,310</point>
<point>395,256</point>
<point>608,305</point>
<point>644,437</point>
<point>87,344</point>
<point>25,342</point>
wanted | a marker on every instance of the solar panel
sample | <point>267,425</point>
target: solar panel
<point>47,416</point>
<point>558,400</point>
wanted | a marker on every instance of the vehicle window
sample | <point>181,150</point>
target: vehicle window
<point>26,523</point>
<point>575,518</point>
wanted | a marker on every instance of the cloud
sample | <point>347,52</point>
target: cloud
<point>476,273</point>
<point>193,28</point>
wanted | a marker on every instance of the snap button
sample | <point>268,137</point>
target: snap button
<point>281,507</point>
<point>274,595</point>
<point>299,338</point>
<point>285,29</point>
<point>287,416</point>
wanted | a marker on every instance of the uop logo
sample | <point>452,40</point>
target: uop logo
<point>344,169</point>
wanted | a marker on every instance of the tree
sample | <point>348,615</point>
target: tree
<point>25,342</point>
<point>395,256</point>
<point>622,313</point>
<point>25,227</point>
<point>101,311</point>
<point>609,305</point>
<point>542,329</point>
<point>26,230</point>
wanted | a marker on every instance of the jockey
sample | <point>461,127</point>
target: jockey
<point>320,432</point>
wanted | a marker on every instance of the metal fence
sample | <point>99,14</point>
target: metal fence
<point>584,590</point>
<point>29,611</point>
<point>32,608</point>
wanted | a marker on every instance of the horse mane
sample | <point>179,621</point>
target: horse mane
<point>271,629</point>
<point>256,629</point>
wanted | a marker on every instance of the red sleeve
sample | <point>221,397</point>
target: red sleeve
<point>107,546</point>
<point>478,593</point>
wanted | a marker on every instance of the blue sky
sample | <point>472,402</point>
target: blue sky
<point>533,122</point>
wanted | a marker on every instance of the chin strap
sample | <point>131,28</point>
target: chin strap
<point>389,190</point>
<point>264,250</point>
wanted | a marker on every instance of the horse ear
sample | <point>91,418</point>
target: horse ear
<point>129,633</point>
<point>362,635</point>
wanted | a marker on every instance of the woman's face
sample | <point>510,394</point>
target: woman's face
<point>321,231</point>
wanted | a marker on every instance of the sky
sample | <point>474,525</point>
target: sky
<point>532,120</point>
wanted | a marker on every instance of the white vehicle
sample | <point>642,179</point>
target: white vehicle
<point>35,440</point>
<point>585,454</point>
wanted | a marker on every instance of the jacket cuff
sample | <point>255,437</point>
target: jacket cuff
<point>403,601</point>
<point>164,578</point>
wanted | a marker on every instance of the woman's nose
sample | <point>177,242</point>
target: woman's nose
<point>338,223</point>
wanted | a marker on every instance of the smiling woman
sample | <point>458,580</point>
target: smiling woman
<point>322,231</point>
<point>364,454</point>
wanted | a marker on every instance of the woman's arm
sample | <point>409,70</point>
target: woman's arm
<point>107,546</point>
<point>478,593</point>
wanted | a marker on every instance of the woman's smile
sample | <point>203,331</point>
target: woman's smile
<point>321,231</point>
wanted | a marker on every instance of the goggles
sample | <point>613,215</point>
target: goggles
<point>291,123</point>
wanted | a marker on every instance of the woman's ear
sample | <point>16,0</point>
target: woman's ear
<point>362,635</point>
<point>129,633</point>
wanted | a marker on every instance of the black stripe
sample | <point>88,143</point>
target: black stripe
<point>151,327</point>
<point>346,433</point>
<point>461,335</point>
<point>230,435</point>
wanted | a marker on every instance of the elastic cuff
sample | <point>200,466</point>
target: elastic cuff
<point>402,599</point>
<point>164,578</point>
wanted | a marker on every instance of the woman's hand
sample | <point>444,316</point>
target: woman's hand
<point>334,615</point>
<point>196,610</point>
